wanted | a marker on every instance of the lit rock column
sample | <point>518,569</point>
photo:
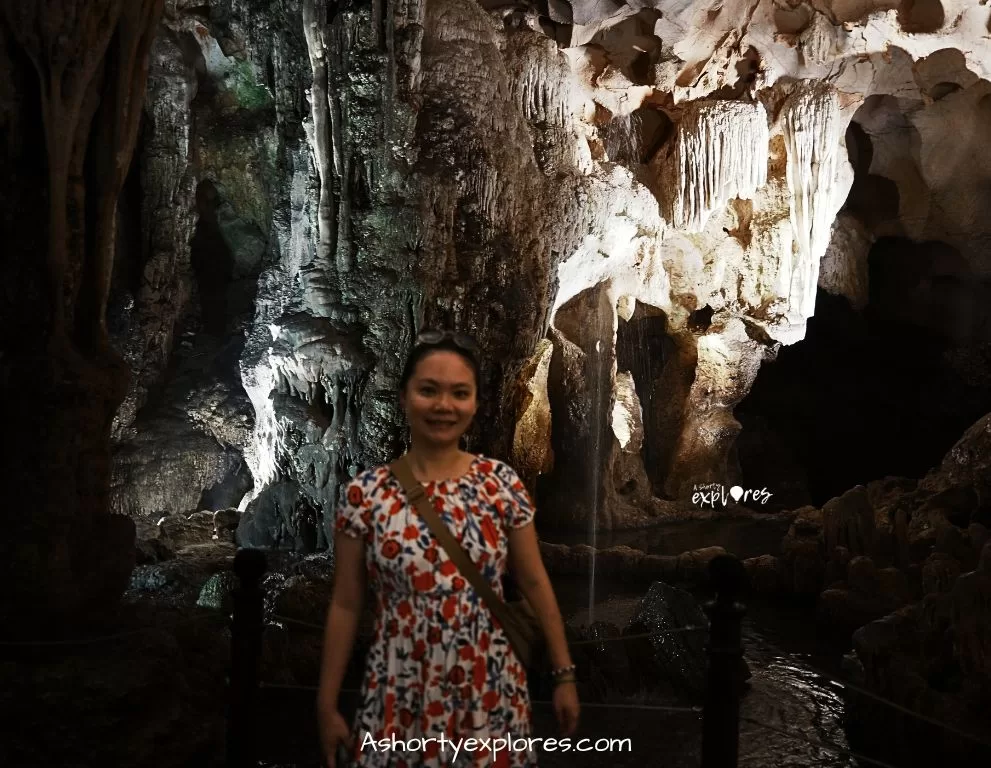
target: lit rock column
<point>727,364</point>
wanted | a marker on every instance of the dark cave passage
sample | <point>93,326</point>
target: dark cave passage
<point>212,261</point>
<point>643,347</point>
<point>886,392</point>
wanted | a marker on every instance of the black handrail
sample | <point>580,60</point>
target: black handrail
<point>721,711</point>
<point>247,625</point>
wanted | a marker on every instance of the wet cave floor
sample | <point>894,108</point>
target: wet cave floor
<point>792,716</point>
<point>167,677</point>
<point>783,652</point>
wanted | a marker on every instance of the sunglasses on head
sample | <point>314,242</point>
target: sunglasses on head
<point>436,337</point>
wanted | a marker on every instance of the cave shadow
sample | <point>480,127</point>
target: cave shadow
<point>643,347</point>
<point>212,261</point>
<point>883,392</point>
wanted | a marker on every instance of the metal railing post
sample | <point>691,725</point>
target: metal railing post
<point>721,711</point>
<point>247,624</point>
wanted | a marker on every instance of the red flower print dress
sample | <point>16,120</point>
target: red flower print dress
<point>439,664</point>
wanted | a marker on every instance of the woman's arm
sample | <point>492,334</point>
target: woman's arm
<point>531,577</point>
<point>342,618</point>
<point>528,568</point>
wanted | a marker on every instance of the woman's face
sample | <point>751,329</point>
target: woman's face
<point>440,398</point>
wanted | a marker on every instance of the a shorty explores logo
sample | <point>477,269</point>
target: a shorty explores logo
<point>715,494</point>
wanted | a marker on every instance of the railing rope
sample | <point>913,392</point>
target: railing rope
<point>247,625</point>
<point>721,711</point>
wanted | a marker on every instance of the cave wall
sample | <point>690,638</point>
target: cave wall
<point>343,175</point>
<point>221,145</point>
<point>70,107</point>
<point>427,175</point>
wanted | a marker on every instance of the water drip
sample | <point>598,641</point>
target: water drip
<point>597,418</point>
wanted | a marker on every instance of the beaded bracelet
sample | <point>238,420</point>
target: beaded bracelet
<point>563,670</point>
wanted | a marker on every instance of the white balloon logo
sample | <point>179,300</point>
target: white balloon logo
<point>736,492</point>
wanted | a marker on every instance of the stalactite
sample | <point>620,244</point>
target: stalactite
<point>543,88</point>
<point>722,154</point>
<point>116,134</point>
<point>66,45</point>
<point>345,35</point>
<point>409,20</point>
<point>316,280</point>
<point>813,130</point>
<point>483,186</point>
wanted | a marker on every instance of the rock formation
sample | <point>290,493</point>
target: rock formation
<point>703,245</point>
<point>638,209</point>
<point>73,91</point>
<point>632,207</point>
<point>902,565</point>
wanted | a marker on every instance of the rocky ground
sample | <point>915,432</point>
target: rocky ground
<point>147,686</point>
<point>902,566</point>
<point>153,692</point>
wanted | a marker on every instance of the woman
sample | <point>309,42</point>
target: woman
<point>439,664</point>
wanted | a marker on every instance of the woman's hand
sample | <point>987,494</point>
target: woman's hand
<point>334,732</point>
<point>342,626</point>
<point>566,707</point>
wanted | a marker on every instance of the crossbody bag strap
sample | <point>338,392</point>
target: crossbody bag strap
<point>415,493</point>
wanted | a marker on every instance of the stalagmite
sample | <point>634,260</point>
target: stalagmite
<point>721,155</point>
<point>813,130</point>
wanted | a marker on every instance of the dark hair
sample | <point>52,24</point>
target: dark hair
<point>449,342</point>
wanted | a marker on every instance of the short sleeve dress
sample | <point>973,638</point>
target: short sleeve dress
<point>439,664</point>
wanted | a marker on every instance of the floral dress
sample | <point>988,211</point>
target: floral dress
<point>439,664</point>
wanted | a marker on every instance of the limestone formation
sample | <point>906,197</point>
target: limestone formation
<point>632,207</point>
<point>655,192</point>
<point>639,209</point>
<point>72,103</point>
<point>222,129</point>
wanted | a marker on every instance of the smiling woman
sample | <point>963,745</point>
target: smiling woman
<point>440,397</point>
<point>442,668</point>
